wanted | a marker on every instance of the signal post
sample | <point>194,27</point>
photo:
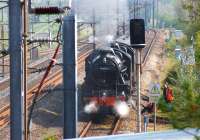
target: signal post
<point>137,39</point>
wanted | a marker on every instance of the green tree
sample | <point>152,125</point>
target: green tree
<point>197,49</point>
<point>184,111</point>
<point>192,23</point>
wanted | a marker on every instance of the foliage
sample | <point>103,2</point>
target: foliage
<point>193,26</point>
<point>171,44</point>
<point>171,14</point>
<point>184,42</point>
<point>185,84</point>
<point>184,111</point>
<point>169,20</point>
<point>197,47</point>
<point>187,101</point>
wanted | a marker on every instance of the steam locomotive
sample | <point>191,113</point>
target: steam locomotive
<point>109,74</point>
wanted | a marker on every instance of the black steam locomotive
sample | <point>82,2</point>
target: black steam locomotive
<point>109,70</point>
<point>108,76</point>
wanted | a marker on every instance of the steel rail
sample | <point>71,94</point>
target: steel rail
<point>33,66</point>
<point>113,131</point>
<point>116,125</point>
<point>54,80</point>
<point>150,46</point>
<point>85,129</point>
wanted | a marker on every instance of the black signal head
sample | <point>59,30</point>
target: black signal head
<point>137,33</point>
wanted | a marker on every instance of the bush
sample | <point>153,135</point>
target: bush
<point>184,111</point>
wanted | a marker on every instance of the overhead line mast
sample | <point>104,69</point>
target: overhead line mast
<point>16,70</point>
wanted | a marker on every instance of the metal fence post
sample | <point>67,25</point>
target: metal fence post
<point>70,76</point>
<point>16,69</point>
<point>138,81</point>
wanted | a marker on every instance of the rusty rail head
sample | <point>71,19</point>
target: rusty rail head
<point>149,47</point>
<point>85,130</point>
<point>114,129</point>
<point>117,122</point>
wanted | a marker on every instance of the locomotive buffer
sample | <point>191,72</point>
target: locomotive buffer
<point>137,40</point>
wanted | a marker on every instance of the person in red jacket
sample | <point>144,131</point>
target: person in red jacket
<point>168,93</point>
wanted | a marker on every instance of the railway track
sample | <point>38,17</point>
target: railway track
<point>112,131</point>
<point>150,42</point>
<point>115,128</point>
<point>42,53</point>
<point>4,84</point>
<point>53,80</point>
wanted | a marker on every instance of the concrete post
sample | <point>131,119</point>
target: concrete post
<point>70,76</point>
<point>16,69</point>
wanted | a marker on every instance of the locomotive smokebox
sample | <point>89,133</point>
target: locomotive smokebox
<point>137,33</point>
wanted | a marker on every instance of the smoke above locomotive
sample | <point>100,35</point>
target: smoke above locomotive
<point>109,15</point>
